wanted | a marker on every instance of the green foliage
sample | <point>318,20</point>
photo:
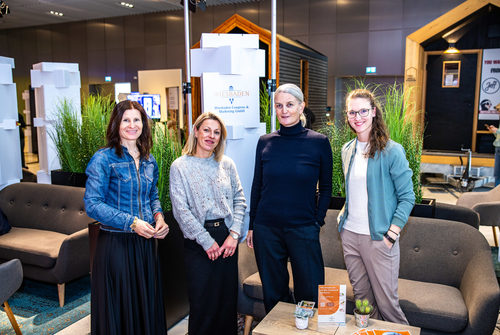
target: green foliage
<point>405,131</point>
<point>66,137</point>
<point>265,113</point>
<point>165,150</point>
<point>96,111</point>
<point>338,136</point>
<point>76,141</point>
<point>363,306</point>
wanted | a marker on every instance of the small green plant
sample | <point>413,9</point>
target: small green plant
<point>363,307</point>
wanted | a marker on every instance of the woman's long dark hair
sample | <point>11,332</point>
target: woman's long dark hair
<point>379,135</point>
<point>144,142</point>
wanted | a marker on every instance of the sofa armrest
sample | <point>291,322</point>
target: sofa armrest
<point>73,260</point>
<point>489,213</point>
<point>247,266</point>
<point>481,293</point>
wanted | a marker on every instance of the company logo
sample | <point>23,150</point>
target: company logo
<point>232,94</point>
<point>490,85</point>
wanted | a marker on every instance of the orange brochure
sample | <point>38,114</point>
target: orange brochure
<point>364,331</point>
<point>391,332</point>
<point>331,303</point>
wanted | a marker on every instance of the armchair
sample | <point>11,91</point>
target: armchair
<point>12,277</point>
<point>487,204</point>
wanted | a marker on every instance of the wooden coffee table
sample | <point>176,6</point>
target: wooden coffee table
<point>282,321</point>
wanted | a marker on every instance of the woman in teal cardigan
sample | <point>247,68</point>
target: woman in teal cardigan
<point>379,199</point>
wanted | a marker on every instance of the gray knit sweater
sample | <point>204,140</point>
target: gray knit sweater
<point>204,189</point>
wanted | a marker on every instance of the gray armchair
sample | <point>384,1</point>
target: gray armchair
<point>12,277</point>
<point>487,205</point>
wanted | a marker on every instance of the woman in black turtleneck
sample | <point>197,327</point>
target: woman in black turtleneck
<point>285,214</point>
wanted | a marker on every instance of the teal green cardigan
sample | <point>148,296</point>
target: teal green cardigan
<point>390,189</point>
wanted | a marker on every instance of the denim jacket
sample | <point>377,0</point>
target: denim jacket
<point>116,191</point>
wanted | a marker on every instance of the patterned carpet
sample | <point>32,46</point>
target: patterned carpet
<point>36,307</point>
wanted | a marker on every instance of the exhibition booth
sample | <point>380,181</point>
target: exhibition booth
<point>451,95</point>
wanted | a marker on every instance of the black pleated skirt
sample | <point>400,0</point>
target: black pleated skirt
<point>126,286</point>
<point>213,288</point>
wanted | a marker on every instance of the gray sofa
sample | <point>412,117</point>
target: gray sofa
<point>49,232</point>
<point>447,283</point>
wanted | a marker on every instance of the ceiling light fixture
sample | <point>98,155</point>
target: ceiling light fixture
<point>126,4</point>
<point>56,13</point>
<point>451,49</point>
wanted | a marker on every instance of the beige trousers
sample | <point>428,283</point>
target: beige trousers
<point>373,271</point>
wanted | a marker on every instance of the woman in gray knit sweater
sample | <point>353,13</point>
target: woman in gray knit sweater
<point>209,205</point>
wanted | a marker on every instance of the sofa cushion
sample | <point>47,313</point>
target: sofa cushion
<point>252,286</point>
<point>32,246</point>
<point>433,306</point>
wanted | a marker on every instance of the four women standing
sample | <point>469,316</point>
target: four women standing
<point>290,196</point>
<point>379,199</point>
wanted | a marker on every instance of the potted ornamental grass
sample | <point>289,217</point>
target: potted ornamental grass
<point>77,138</point>
<point>362,312</point>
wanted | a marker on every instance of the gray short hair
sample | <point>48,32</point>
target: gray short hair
<point>291,89</point>
<point>296,92</point>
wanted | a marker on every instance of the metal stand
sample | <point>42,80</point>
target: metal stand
<point>271,84</point>
<point>186,86</point>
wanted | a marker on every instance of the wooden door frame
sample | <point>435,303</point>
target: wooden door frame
<point>479,53</point>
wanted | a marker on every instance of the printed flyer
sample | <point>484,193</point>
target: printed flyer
<point>365,331</point>
<point>331,303</point>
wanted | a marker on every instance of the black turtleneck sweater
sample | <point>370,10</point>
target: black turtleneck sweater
<point>290,164</point>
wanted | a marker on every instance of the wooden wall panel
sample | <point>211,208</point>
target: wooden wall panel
<point>155,29</point>
<point>133,27</point>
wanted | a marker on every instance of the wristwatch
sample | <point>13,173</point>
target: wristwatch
<point>234,235</point>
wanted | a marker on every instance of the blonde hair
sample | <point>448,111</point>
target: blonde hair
<point>190,146</point>
<point>296,92</point>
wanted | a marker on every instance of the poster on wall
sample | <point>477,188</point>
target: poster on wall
<point>489,97</point>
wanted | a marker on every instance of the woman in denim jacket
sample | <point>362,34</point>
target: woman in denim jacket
<point>379,199</point>
<point>121,194</point>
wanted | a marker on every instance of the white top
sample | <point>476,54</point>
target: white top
<point>357,217</point>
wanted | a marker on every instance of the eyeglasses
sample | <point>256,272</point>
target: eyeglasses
<point>362,113</point>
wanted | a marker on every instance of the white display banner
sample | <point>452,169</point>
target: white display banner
<point>489,97</point>
<point>235,98</point>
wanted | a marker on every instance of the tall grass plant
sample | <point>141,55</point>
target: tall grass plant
<point>165,150</point>
<point>76,139</point>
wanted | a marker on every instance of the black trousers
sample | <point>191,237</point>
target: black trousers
<point>213,288</point>
<point>273,246</point>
